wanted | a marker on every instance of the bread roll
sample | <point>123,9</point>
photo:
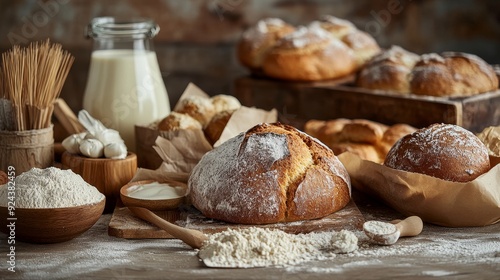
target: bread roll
<point>389,70</point>
<point>362,150</point>
<point>444,151</point>
<point>271,173</point>
<point>259,39</point>
<point>224,102</point>
<point>200,108</point>
<point>452,74</point>
<point>362,131</point>
<point>309,54</point>
<point>368,139</point>
<point>325,131</point>
<point>216,126</point>
<point>176,121</point>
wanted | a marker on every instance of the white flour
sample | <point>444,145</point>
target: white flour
<point>344,241</point>
<point>449,252</point>
<point>51,188</point>
<point>258,247</point>
<point>379,228</point>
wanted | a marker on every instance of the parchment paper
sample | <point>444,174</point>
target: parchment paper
<point>445,203</point>
<point>181,150</point>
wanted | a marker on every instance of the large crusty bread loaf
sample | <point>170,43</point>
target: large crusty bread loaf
<point>327,48</point>
<point>309,54</point>
<point>271,173</point>
<point>444,151</point>
<point>452,74</point>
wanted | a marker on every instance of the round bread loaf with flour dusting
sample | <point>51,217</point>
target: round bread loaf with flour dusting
<point>452,74</point>
<point>271,173</point>
<point>444,151</point>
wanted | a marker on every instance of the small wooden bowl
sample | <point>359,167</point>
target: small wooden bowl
<point>50,225</point>
<point>151,204</point>
<point>107,175</point>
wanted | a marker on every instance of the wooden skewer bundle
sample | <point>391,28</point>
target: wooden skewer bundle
<point>32,79</point>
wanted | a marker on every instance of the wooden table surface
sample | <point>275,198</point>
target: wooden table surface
<point>456,253</point>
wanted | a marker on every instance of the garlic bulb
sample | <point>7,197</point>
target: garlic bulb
<point>72,142</point>
<point>115,150</point>
<point>97,141</point>
<point>108,136</point>
<point>91,148</point>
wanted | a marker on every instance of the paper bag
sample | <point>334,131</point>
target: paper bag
<point>441,202</point>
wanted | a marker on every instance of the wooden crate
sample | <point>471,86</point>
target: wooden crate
<point>299,102</point>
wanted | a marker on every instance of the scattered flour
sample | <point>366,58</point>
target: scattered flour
<point>51,188</point>
<point>259,247</point>
<point>344,241</point>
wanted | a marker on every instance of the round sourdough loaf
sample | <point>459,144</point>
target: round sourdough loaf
<point>271,173</point>
<point>389,70</point>
<point>444,151</point>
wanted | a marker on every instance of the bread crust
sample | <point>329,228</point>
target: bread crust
<point>271,173</point>
<point>389,70</point>
<point>216,126</point>
<point>257,41</point>
<point>199,108</point>
<point>368,139</point>
<point>309,55</point>
<point>444,151</point>
<point>176,121</point>
<point>452,74</point>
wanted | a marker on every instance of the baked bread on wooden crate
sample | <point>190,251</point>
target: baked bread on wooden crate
<point>450,74</point>
<point>325,49</point>
<point>388,70</point>
<point>271,173</point>
<point>444,151</point>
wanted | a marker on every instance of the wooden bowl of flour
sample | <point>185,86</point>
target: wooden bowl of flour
<point>49,225</point>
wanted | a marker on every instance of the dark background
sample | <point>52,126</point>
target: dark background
<point>197,37</point>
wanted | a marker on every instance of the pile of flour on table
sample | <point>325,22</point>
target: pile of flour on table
<point>258,247</point>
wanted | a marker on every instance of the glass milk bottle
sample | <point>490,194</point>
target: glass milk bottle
<point>124,86</point>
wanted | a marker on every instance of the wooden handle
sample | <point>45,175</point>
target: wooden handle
<point>66,117</point>
<point>193,238</point>
<point>411,226</point>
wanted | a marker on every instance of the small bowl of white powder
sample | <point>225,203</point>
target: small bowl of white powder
<point>48,206</point>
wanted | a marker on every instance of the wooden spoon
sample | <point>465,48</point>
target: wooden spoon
<point>191,237</point>
<point>388,233</point>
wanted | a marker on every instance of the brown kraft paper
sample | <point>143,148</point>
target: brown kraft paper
<point>436,201</point>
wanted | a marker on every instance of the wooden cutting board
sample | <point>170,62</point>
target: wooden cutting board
<point>124,224</point>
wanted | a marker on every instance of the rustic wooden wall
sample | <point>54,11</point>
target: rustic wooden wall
<point>197,37</point>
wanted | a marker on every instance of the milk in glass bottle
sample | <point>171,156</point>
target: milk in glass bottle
<point>124,86</point>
